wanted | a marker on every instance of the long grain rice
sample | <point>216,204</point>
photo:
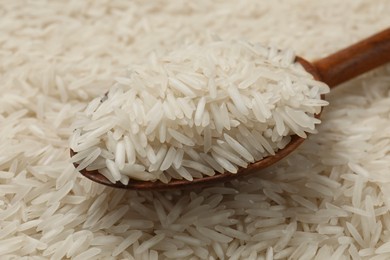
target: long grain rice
<point>208,113</point>
<point>59,59</point>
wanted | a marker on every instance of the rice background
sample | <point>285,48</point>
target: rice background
<point>331,198</point>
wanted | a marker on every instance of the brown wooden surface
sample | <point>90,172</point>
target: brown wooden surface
<point>355,59</point>
<point>333,70</point>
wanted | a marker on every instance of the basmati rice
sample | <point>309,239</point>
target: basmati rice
<point>264,92</point>
<point>56,57</point>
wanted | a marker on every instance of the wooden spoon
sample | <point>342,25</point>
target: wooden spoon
<point>332,70</point>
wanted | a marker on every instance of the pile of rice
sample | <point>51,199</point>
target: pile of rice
<point>328,200</point>
<point>196,111</point>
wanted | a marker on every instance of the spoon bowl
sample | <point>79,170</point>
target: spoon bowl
<point>207,180</point>
<point>332,70</point>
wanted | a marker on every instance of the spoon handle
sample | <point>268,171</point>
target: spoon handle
<point>355,60</point>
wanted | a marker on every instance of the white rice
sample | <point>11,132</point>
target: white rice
<point>56,57</point>
<point>207,114</point>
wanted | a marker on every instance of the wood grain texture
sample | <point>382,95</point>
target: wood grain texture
<point>355,59</point>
